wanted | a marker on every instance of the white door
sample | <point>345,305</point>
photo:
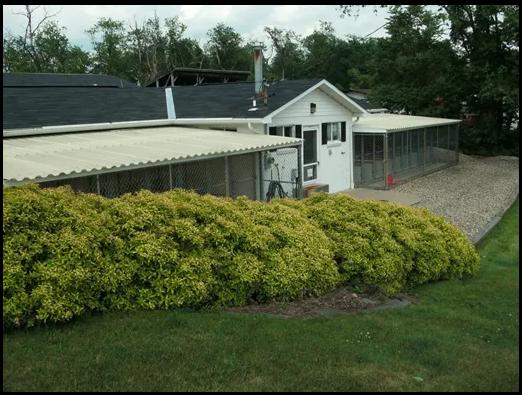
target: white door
<point>310,156</point>
<point>335,167</point>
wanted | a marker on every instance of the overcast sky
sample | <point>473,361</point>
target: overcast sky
<point>249,20</point>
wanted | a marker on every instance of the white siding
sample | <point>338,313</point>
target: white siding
<point>326,106</point>
<point>335,161</point>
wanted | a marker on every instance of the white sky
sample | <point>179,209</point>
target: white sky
<point>249,20</point>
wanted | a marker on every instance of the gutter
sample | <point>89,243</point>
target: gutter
<point>127,125</point>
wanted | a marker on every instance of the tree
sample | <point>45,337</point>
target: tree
<point>43,48</point>
<point>415,69</point>
<point>110,43</point>
<point>157,48</point>
<point>324,53</point>
<point>361,54</point>
<point>484,72</point>
<point>488,40</point>
<point>288,58</point>
<point>182,51</point>
<point>226,50</point>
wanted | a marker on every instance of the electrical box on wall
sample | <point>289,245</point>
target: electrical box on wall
<point>269,161</point>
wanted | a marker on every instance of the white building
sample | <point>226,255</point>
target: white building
<point>257,139</point>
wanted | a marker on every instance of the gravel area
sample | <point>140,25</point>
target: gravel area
<point>471,194</point>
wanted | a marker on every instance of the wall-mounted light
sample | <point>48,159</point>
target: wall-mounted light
<point>313,108</point>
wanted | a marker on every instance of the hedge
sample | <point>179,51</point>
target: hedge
<point>390,245</point>
<point>68,254</point>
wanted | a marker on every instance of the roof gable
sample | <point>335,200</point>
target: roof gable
<point>331,91</point>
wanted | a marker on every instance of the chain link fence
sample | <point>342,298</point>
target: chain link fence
<point>383,161</point>
<point>259,176</point>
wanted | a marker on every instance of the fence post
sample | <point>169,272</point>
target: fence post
<point>386,160</point>
<point>457,143</point>
<point>449,137</point>
<point>227,178</point>
<point>170,177</point>
<point>299,183</point>
<point>425,150</point>
<point>98,189</point>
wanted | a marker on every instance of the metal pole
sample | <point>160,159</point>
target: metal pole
<point>261,170</point>
<point>408,150</point>
<point>449,137</point>
<point>386,158</point>
<point>98,189</point>
<point>171,185</point>
<point>299,185</point>
<point>457,144</point>
<point>425,153</point>
<point>259,178</point>
<point>227,178</point>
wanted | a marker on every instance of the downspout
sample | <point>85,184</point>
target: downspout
<point>252,128</point>
<point>350,154</point>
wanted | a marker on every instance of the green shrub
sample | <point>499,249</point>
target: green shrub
<point>390,245</point>
<point>66,254</point>
<point>59,253</point>
<point>202,250</point>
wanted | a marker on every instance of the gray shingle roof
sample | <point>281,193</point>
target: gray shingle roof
<point>29,103</point>
<point>36,107</point>
<point>234,99</point>
<point>64,80</point>
<point>366,104</point>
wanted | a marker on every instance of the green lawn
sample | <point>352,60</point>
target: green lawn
<point>463,336</point>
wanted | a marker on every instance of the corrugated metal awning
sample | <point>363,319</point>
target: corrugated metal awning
<point>382,123</point>
<point>40,157</point>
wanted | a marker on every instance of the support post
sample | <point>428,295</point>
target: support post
<point>425,150</point>
<point>227,177</point>
<point>386,159</point>
<point>170,177</point>
<point>457,143</point>
<point>299,183</point>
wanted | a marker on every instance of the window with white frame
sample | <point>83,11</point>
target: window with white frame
<point>334,132</point>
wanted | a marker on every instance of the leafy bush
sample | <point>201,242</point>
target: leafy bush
<point>66,254</point>
<point>390,245</point>
<point>59,254</point>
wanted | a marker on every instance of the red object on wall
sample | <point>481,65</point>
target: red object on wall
<point>391,181</point>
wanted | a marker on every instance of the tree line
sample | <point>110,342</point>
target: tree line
<point>441,61</point>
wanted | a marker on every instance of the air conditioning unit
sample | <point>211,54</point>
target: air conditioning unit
<point>309,189</point>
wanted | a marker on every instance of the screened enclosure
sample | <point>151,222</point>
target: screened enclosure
<point>228,176</point>
<point>383,160</point>
<point>116,162</point>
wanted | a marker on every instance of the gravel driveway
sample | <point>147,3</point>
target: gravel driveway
<point>471,194</point>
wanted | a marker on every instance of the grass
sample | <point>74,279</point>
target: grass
<point>463,336</point>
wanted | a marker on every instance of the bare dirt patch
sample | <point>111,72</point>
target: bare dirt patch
<point>341,301</point>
